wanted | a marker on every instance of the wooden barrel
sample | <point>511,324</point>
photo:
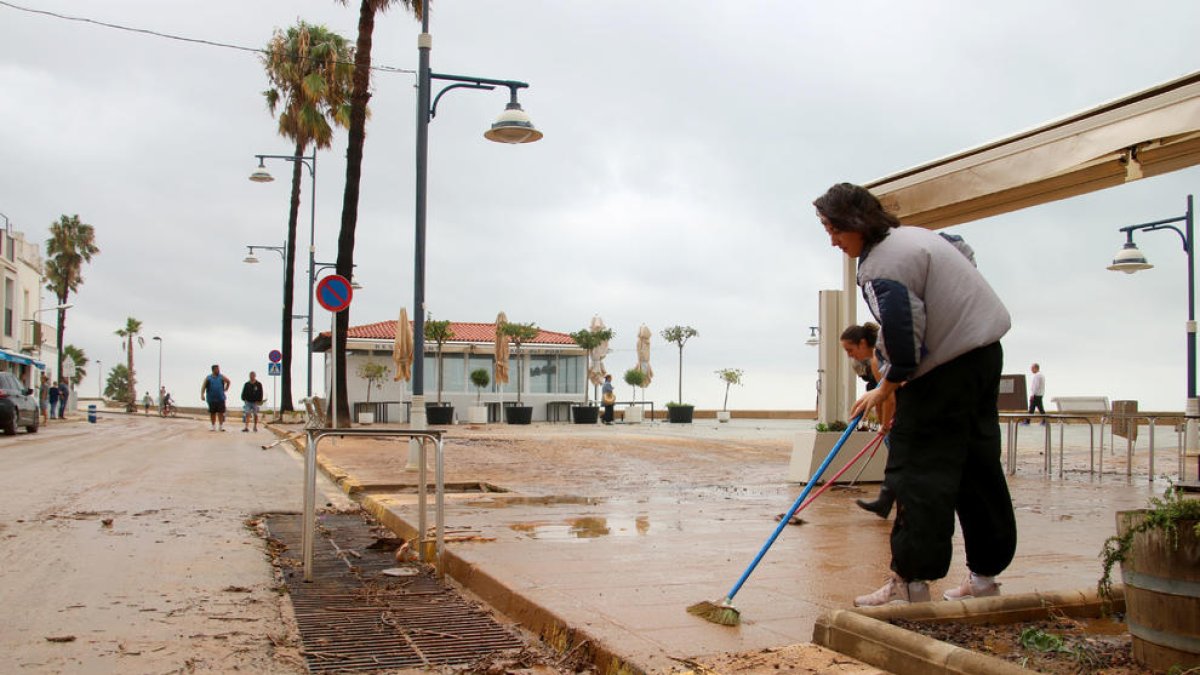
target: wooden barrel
<point>1162,594</point>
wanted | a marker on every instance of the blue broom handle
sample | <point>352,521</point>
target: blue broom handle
<point>799,500</point>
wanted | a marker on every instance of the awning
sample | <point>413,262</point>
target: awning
<point>1152,132</point>
<point>6,355</point>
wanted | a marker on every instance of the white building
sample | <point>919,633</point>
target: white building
<point>22,332</point>
<point>552,368</point>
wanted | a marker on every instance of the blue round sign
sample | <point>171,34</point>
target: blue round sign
<point>334,292</point>
<point>275,356</point>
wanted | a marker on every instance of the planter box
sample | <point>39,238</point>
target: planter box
<point>810,448</point>
<point>366,418</point>
<point>585,414</point>
<point>680,414</point>
<point>477,414</point>
<point>722,416</point>
<point>633,414</point>
<point>439,414</point>
<point>518,414</point>
<point>1162,594</point>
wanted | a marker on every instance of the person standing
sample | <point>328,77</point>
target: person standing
<point>64,393</point>
<point>52,398</point>
<point>44,397</point>
<point>252,398</point>
<point>1037,390</point>
<point>212,391</point>
<point>146,403</point>
<point>941,325</point>
<point>608,396</point>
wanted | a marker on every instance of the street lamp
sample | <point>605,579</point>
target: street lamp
<point>513,126</point>
<point>99,379</point>
<point>160,344</point>
<point>812,340</point>
<point>39,311</point>
<point>261,175</point>
<point>1129,260</point>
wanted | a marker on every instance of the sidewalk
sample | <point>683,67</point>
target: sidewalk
<point>609,533</point>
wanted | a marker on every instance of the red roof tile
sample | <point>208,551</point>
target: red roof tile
<point>462,331</point>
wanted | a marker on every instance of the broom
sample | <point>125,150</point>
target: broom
<point>723,612</point>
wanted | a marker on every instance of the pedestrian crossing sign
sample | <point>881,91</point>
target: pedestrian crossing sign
<point>274,369</point>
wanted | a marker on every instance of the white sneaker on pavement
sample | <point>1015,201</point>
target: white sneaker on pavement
<point>973,586</point>
<point>895,591</point>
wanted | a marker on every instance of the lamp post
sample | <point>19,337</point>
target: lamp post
<point>99,380</point>
<point>513,126</point>
<point>260,175</point>
<point>39,311</point>
<point>1129,260</point>
<point>159,340</point>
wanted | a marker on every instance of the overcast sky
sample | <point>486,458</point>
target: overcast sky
<point>684,144</point>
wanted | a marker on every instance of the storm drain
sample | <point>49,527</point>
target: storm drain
<point>353,617</point>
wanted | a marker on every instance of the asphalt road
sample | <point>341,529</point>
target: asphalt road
<point>125,548</point>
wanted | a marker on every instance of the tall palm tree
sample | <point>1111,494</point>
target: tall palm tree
<point>71,244</point>
<point>131,331</point>
<point>359,98</point>
<point>310,72</point>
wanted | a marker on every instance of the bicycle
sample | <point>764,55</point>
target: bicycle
<point>167,409</point>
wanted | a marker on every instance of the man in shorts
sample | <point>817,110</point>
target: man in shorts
<point>252,397</point>
<point>212,391</point>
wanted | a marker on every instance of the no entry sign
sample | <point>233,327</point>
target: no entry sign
<point>275,356</point>
<point>334,292</point>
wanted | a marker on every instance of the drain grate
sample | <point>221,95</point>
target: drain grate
<point>352,617</point>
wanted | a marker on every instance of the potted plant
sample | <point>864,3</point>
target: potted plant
<point>730,376</point>
<point>1158,549</point>
<point>477,414</point>
<point>519,333</point>
<point>635,378</point>
<point>439,332</point>
<point>373,372</point>
<point>589,339</point>
<point>679,412</point>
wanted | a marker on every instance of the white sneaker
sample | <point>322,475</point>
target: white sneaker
<point>895,591</point>
<point>973,586</point>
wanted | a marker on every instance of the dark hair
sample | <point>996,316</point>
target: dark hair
<point>852,208</point>
<point>867,332</point>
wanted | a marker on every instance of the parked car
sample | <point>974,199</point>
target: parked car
<point>18,406</point>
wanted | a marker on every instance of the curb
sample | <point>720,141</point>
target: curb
<point>867,635</point>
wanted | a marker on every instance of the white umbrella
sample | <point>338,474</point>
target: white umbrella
<point>596,370</point>
<point>643,355</point>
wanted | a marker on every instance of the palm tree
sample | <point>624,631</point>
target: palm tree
<point>81,360</point>
<point>71,244</point>
<point>359,98</point>
<point>132,330</point>
<point>310,75</point>
<point>117,385</point>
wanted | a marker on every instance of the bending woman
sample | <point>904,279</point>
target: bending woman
<point>859,344</point>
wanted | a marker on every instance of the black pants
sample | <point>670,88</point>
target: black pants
<point>1035,403</point>
<point>607,417</point>
<point>945,458</point>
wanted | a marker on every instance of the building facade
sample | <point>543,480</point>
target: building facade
<point>23,336</point>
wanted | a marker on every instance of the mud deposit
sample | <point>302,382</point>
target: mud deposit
<point>1051,646</point>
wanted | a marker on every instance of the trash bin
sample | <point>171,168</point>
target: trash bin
<point>92,413</point>
<point>1121,426</point>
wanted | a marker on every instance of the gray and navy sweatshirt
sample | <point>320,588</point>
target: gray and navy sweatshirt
<point>931,303</point>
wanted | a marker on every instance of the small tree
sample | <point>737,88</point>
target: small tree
<point>440,333</point>
<point>80,359</point>
<point>635,378</point>
<point>374,373</point>
<point>481,379</point>
<point>679,335</point>
<point>520,333</point>
<point>730,376</point>
<point>591,339</point>
<point>117,386</point>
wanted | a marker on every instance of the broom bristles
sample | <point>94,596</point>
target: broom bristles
<point>721,613</point>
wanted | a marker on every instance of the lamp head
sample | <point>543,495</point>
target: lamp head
<point>513,126</point>
<point>251,259</point>
<point>261,175</point>
<point>1129,260</point>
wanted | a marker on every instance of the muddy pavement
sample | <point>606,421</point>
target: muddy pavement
<point>124,548</point>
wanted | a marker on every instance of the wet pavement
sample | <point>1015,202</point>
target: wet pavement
<point>609,533</point>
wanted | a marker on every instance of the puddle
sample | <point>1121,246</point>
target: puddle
<point>546,500</point>
<point>584,528</point>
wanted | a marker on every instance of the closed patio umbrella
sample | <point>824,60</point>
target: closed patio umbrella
<point>596,370</point>
<point>501,370</point>
<point>402,350</point>
<point>643,355</point>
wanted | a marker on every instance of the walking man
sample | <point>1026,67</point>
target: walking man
<point>252,397</point>
<point>212,391</point>
<point>1037,389</point>
<point>941,325</point>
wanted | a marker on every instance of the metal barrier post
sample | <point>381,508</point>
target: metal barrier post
<point>422,479</point>
<point>440,497</point>
<point>310,501</point>
<point>1152,420</point>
